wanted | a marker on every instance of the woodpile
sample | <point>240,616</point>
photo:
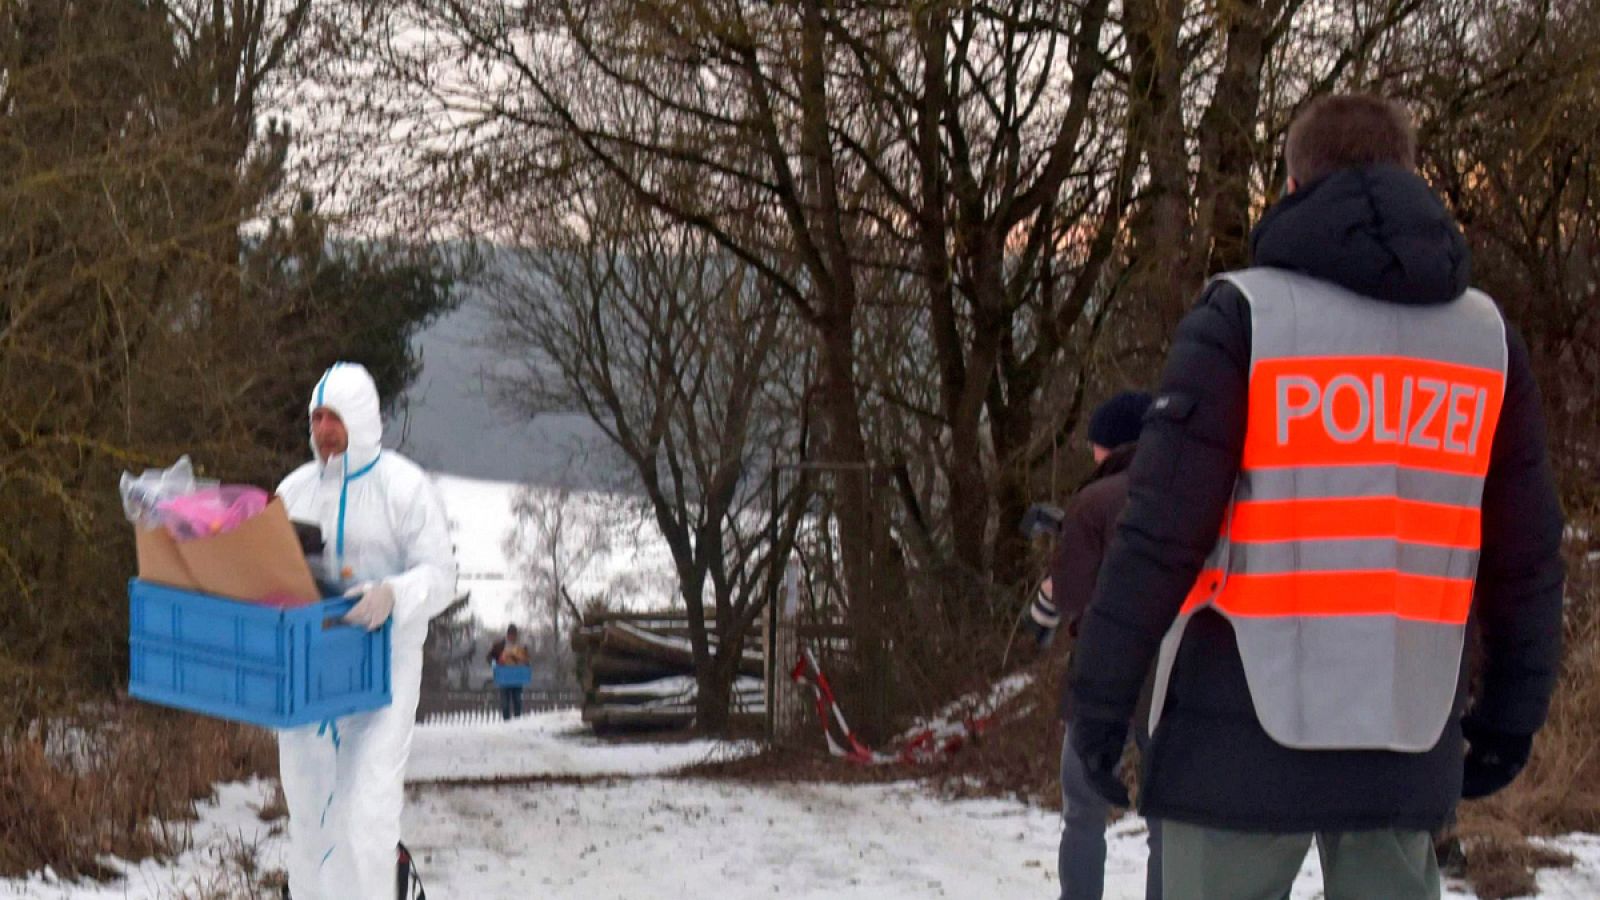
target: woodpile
<point>637,673</point>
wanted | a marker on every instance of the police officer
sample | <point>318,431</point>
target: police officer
<point>1346,460</point>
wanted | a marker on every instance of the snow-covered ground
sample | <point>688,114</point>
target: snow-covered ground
<point>594,820</point>
<point>554,745</point>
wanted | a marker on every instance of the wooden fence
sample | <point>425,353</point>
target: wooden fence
<point>438,704</point>
<point>636,670</point>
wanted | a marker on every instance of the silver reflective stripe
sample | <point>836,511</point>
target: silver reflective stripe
<point>1328,482</point>
<point>1285,557</point>
<point>1295,316</point>
<point>1356,682</point>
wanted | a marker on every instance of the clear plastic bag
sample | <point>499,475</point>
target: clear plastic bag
<point>142,495</point>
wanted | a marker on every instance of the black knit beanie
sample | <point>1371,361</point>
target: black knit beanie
<point>1118,420</point>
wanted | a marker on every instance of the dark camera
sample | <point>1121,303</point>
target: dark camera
<point>310,537</point>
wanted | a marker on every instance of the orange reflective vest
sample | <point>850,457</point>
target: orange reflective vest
<point>1347,556</point>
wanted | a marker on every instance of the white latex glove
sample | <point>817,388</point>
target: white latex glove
<point>374,607</point>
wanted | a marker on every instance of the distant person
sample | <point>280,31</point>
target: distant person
<point>388,541</point>
<point>1086,526</point>
<point>508,651</point>
<point>1345,462</point>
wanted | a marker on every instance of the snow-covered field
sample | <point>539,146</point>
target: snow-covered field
<point>609,549</point>
<point>587,819</point>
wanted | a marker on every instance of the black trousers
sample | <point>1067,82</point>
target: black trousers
<point>510,703</point>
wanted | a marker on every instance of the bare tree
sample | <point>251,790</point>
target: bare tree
<point>155,297</point>
<point>979,215</point>
<point>1525,186</point>
<point>555,544</point>
<point>675,351</point>
<point>125,176</point>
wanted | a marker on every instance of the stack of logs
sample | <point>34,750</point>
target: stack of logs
<point>637,673</point>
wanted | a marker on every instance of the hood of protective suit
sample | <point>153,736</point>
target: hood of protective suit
<point>348,390</point>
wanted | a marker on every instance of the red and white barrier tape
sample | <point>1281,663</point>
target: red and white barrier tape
<point>923,746</point>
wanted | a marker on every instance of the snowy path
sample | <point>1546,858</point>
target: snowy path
<point>588,819</point>
<point>668,838</point>
<point>547,744</point>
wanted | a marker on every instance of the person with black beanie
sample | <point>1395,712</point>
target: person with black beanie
<point>1086,526</point>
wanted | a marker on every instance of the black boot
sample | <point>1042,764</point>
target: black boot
<point>407,885</point>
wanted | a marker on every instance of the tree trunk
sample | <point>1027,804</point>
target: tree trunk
<point>711,701</point>
<point>1156,109</point>
<point>865,544</point>
<point>1228,144</point>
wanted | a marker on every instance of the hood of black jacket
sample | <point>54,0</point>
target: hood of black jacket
<point>1379,231</point>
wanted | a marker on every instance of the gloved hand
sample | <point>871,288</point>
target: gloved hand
<point>1098,743</point>
<point>1494,758</point>
<point>374,607</point>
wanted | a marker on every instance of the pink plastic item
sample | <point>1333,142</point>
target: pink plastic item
<point>211,511</point>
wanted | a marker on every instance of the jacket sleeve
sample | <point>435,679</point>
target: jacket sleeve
<point>1179,487</point>
<point>427,584</point>
<point>1518,601</point>
<point>1080,546</point>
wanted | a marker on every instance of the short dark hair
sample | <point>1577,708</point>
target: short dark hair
<point>1342,131</point>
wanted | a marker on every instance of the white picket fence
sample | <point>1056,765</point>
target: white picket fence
<point>488,712</point>
<point>463,717</point>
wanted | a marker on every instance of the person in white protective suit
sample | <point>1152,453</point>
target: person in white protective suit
<point>386,539</point>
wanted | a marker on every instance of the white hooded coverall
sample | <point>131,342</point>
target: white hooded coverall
<point>382,521</point>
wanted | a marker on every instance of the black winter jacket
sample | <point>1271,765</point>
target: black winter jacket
<point>1379,231</point>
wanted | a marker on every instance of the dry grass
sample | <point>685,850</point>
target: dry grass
<point>1560,790</point>
<point>275,806</point>
<point>1501,862</point>
<point>116,783</point>
<point>235,874</point>
<point>1020,755</point>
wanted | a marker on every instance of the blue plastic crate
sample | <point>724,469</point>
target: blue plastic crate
<point>513,676</point>
<point>277,668</point>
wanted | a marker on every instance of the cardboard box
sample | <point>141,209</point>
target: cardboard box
<point>259,560</point>
<point>159,560</point>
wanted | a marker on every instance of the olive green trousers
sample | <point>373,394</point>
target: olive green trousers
<point>1216,864</point>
